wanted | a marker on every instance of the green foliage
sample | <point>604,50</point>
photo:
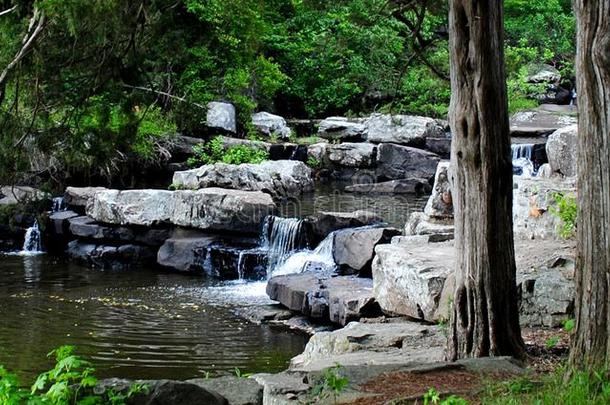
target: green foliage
<point>551,342</point>
<point>330,385</point>
<point>214,152</point>
<point>582,388</point>
<point>567,212</point>
<point>240,374</point>
<point>569,325</point>
<point>314,163</point>
<point>70,381</point>
<point>432,397</point>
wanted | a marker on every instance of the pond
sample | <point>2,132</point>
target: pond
<point>140,323</point>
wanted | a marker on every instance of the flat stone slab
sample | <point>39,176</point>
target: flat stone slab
<point>542,120</point>
<point>78,197</point>
<point>335,299</point>
<point>85,227</point>
<point>208,208</point>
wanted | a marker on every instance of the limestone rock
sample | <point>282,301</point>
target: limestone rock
<point>324,222</point>
<point>562,150</point>
<point>352,154</point>
<point>271,125</point>
<point>84,227</point>
<point>439,145</point>
<point>421,224</point>
<point>342,128</point>
<point>440,203</point>
<point>541,121</point>
<point>399,162</point>
<point>282,178</point>
<point>221,116</point>
<point>401,129</point>
<point>208,208</point>
<point>237,391</point>
<point>355,248</point>
<point>79,196</point>
<point>110,256</point>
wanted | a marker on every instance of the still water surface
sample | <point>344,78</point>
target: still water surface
<point>132,324</point>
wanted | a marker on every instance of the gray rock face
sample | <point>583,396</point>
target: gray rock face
<point>237,391</point>
<point>78,197</point>
<point>541,121</point>
<point>351,154</point>
<point>401,129</point>
<point>323,223</point>
<point>409,279</point>
<point>440,203</point>
<point>342,128</point>
<point>60,222</point>
<point>533,202</point>
<point>208,208</point>
<point>404,342</point>
<point>400,162</point>
<point>441,146</point>
<point>318,151</point>
<point>562,150</point>
<point>10,195</point>
<point>282,178</point>
<point>111,257</point>
<point>543,73</point>
<point>355,248</point>
<point>164,392</point>
<point>84,227</point>
<point>547,294</point>
<point>221,116</point>
<point>421,224</point>
<point>269,124</point>
<point>411,185</point>
<point>336,299</point>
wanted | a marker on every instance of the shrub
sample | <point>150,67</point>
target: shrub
<point>567,212</point>
<point>214,152</point>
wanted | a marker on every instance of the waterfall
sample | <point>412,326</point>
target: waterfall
<point>280,237</point>
<point>522,156</point>
<point>321,259</point>
<point>522,150</point>
<point>59,204</point>
<point>32,242</point>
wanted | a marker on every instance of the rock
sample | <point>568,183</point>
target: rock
<point>261,314</point>
<point>318,151</point>
<point>323,223</point>
<point>60,222</point>
<point>440,146</point>
<point>542,73</point>
<point>271,125</point>
<point>78,197</point>
<point>277,151</point>
<point>10,195</point>
<point>411,185</point>
<point>228,142</point>
<point>399,162</point>
<point>421,224</point>
<point>237,391</point>
<point>163,392</point>
<point>401,129</point>
<point>221,116</point>
<point>440,203</point>
<point>111,257</point>
<point>214,255</point>
<point>401,342</point>
<point>562,150</point>
<point>547,294</point>
<point>351,154</point>
<point>354,248</point>
<point>336,299</point>
<point>303,127</point>
<point>533,202</point>
<point>341,128</point>
<point>409,281</point>
<point>208,208</point>
<point>282,178</point>
<point>542,121</point>
<point>87,228</point>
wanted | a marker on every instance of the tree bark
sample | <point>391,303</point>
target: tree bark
<point>485,318</point>
<point>591,342</point>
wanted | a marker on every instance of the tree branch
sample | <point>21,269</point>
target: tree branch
<point>10,10</point>
<point>163,93</point>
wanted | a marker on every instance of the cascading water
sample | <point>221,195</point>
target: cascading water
<point>59,204</point>
<point>321,259</point>
<point>522,157</point>
<point>281,236</point>
<point>32,242</point>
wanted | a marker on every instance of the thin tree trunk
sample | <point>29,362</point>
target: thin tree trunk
<point>485,318</point>
<point>591,343</point>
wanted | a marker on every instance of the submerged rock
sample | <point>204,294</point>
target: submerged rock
<point>282,178</point>
<point>208,208</point>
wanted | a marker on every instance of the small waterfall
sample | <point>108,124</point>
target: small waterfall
<point>522,156</point>
<point>59,204</point>
<point>280,237</point>
<point>522,150</point>
<point>321,259</point>
<point>32,242</point>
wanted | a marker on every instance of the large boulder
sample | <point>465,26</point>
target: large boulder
<point>282,178</point>
<point>411,185</point>
<point>401,129</point>
<point>271,125</point>
<point>222,117</point>
<point>341,128</point>
<point>208,208</point>
<point>408,278</point>
<point>78,197</point>
<point>325,222</point>
<point>534,202</point>
<point>237,390</point>
<point>542,121</point>
<point>440,203</point>
<point>354,249</point>
<point>351,154</point>
<point>336,299</point>
<point>542,73</point>
<point>562,149</point>
<point>400,162</point>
